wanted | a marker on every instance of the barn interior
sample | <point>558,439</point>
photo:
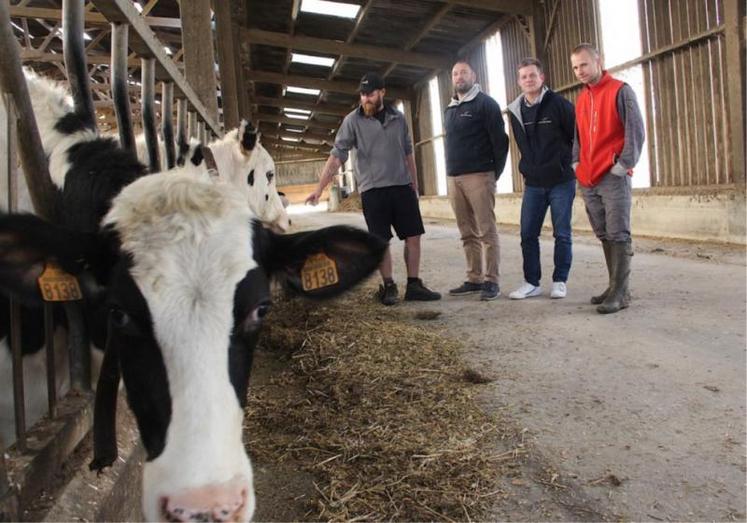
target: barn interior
<point>292,68</point>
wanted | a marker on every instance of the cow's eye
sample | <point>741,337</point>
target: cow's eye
<point>119,318</point>
<point>270,176</point>
<point>263,309</point>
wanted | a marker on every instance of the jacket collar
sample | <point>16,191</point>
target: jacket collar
<point>515,106</point>
<point>471,95</point>
<point>604,80</point>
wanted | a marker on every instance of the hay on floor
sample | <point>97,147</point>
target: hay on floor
<point>380,411</point>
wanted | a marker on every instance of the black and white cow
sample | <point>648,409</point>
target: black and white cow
<point>175,274</point>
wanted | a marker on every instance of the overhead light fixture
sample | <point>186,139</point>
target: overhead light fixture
<point>17,26</point>
<point>293,130</point>
<point>138,7</point>
<point>290,139</point>
<point>294,110</point>
<point>297,116</point>
<point>323,7</point>
<point>323,61</point>
<point>302,90</point>
<point>167,50</point>
<point>87,37</point>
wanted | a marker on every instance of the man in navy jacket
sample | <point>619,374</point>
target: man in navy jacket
<point>476,150</point>
<point>543,125</point>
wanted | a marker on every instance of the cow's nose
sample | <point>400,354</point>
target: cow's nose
<point>217,502</point>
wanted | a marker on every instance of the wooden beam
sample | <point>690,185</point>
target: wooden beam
<point>514,7</point>
<point>537,28</point>
<point>229,87</point>
<point>337,86</point>
<point>28,55</point>
<point>301,146</point>
<point>734,34</point>
<point>90,18</point>
<point>199,57</point>
<point>322,45</point>
<point>322,140</point>
<point>362,12</point>
<point>145,44</point>
<point>276,118</point>
<point>323,108</point>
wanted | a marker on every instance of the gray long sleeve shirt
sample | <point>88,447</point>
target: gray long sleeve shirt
<point>381,149</point>
<point>635,134</point>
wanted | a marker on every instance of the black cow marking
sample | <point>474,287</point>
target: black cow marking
<point>250,178</point>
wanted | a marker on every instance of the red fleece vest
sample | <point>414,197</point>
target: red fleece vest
<point>601,134</point>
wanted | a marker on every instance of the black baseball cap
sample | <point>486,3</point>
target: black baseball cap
<point>370,82</point>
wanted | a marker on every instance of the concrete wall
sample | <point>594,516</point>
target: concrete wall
<point>703,214</point>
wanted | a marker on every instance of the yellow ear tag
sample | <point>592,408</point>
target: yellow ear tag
<point>57,285</point>
<point>319,270</point>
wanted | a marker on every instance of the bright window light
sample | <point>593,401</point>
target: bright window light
<point>87,37</point>
<point>293,110</point>
<point>138,7</point>
<point>297,116</point>
<point>324,61</point>
<point>302,90</point>
<point>323,7</point>
<point>438,143</point>
<point>290,139</point>
<point>497,89</point>
<point>167,50</point>
<point>293,130</point>
<point>17,26</point>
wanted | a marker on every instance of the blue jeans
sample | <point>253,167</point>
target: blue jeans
<point>534,206</point>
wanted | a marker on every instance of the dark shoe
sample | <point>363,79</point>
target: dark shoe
<point>388,293</point>
<point>466,288</point>
<point>596,300</point>
<point>416,291</point>
<point>619,295</point>
<point>490,291</point>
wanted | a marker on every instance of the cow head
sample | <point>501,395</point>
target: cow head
<point>244,163</point>
<point>183,272</point>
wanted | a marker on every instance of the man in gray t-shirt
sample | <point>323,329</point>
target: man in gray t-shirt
<point>387,180</point>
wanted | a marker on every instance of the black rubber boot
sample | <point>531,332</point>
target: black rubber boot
<point>619,295</point>
<point>596,300</point>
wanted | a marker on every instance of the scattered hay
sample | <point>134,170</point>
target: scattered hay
<point>380,412</point>
<point>351,204</point>
<point>427,315</point>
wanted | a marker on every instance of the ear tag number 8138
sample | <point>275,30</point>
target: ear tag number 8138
<point>58,285</point>
<point>319,270</point>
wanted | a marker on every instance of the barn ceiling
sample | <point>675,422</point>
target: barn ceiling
<point>407,41</point>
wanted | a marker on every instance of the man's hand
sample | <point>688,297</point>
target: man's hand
<point>313,198</point>
<point>414,186</point>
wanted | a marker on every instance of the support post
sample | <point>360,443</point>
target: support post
<point>226,64</point>
<point>74,51</point>
<point>199,56</point>
<point>182,138</point>
<point>167,122</point>
<point>120,87</point>
<point>148,81</point>
<point>734,30</point>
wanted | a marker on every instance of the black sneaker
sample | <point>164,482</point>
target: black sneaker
<point>466,288</point>
<point>490,291</point>
<point>416,291</point>
<point>388,293</point>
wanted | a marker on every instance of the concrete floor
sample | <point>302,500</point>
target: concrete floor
<point>653,395</point>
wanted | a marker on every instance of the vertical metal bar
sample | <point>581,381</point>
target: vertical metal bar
<point>148,79</point>
<point>192,124</point>
<point>74,51</point>
<point>181,122</point>
<point>120,86</point>
<point>79,347</point>
<point>201,131</point>
<point>51,363</point>
<point>167,122</point>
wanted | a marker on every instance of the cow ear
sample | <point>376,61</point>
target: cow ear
<point>247,136</point>
<point>27,243</point>
<point>321,263</point>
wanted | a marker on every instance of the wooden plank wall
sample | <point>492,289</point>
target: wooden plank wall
<point>688,137</point>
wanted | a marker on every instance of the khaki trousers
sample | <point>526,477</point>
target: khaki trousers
<point>472,198</point>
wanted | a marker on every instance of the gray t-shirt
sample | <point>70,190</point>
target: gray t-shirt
<point>380,148</point>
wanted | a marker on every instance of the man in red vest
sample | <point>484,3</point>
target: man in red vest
<point>609,139</point>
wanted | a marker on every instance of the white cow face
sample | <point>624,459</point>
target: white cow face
<point>245,164</point>
<point>182,272</point>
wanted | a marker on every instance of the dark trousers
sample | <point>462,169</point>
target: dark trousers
<point>534,206</point>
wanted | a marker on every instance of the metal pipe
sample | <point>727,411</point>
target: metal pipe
<point>181,124</point>
<point>74,50</point>
<point>19,403</point>
<point>192,124</point>
<point>12,81</point>
<point>79,347</point>
<point>120,87</point>
<point>51,363</point>
<point>167,122</point>
<point>148,80</point>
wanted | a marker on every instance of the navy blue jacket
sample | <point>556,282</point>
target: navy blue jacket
<point>476,138</point>
<point>549,162</point>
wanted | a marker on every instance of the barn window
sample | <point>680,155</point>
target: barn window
<point>323,7</point>
<point>497,89</point>
<point>614,14</point>
<point>438,133</point>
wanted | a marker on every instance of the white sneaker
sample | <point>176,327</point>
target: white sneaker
<point>527,290</point>
<point>559,290</point>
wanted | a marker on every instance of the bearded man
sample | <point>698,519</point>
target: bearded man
<point>387,180</point>
<point>476,150</point>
